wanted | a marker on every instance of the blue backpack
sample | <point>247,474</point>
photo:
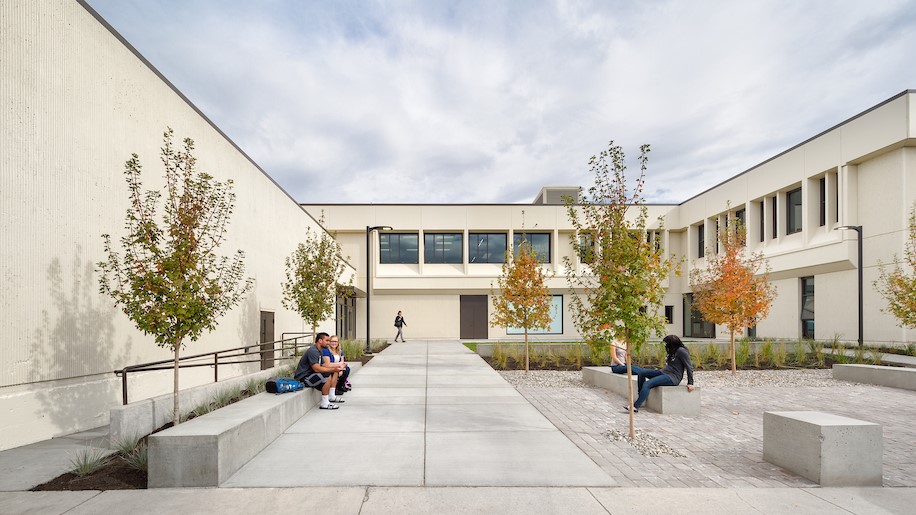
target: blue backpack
<point>283,385</point>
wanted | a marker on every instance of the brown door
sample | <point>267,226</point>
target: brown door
<point>473,317</point>
<point>267,340</point>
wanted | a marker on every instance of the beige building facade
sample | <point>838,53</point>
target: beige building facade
<point>76,100</point>
<point>861,172</point>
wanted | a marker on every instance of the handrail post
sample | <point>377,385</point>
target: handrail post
<point>124,386</point>
<point>215,368</point>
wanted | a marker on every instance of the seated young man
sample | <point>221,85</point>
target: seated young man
<point>319,375</point>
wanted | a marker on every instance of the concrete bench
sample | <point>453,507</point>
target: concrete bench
<point>667,400</point>
<point>828,449</point>
<point>207,450</point>
<point>894,377</point>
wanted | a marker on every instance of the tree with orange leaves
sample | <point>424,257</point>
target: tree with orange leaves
<point>898,286</point>
<point>523,299</point>
<point>730,291</point>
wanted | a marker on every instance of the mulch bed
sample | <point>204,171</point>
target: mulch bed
<point>116,475</point>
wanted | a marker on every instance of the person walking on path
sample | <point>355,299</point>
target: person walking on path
<point>399,323</point>
<point>676,363</point>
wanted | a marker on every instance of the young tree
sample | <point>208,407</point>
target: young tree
<point>312,273</point>
<point>622,292</point>
<point>898,286</point>
<point>523,299</point>
<point>170,282</point>
<point>731,290</point>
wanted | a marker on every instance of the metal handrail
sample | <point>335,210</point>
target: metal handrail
<point>217,356</point>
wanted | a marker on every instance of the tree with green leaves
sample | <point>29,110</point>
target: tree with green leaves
<point>170,281</point>
<point>312,274</point>
<point>898,285</point>
<point>523,298</point>
<point>621,279</point>
<point>733,288</point>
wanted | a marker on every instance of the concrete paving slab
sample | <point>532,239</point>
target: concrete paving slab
<point>466,380</point>
<point>869,500</point>
<point>391,395</point>
<point>359,418</point>
<point>365,459</point>
<point>486,417</point>
<point>223,501</point>
<point>505,501</point>
<point>533,458</point>
<point>391,379</point>
<point>473,393</point>
<point>714,501</point>
<point>15,503</point>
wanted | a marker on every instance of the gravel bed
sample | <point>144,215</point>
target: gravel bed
<point>646,444</point>
<point>819,378</point>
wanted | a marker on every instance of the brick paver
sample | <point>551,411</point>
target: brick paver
<point>724,445</point>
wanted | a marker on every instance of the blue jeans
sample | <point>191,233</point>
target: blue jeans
<point>622,369</point>
<point>655,378</point>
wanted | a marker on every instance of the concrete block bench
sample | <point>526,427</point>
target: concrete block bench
<point>207,450</point>
<point>828,449</point>
<point>894,377</point>
<point>667,400</point>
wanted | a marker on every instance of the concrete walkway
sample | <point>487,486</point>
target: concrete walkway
<point>424,414</point>
<point>430,428</point>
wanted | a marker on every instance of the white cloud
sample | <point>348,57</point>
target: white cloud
<point>488,101</point>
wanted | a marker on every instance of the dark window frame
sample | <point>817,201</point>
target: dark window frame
<point>474,251</point>
<point>437,249</point>
<point>794,225</point>
<point>762,221</point>
<point>519,236</point>
<point>669,314</point>
<point>822,187</point>
<point>775,216</point>
<point>806,315</point>
<point>701,240</point>
<point>401,256</point>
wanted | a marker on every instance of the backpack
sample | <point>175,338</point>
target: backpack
<point>283,385</point>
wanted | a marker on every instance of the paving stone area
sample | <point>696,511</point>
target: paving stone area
<point>723,447</point>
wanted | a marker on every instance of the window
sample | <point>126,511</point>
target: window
<point>556,319</point>
<point>823,207</point>
<point>442,248</point>
<point>794,211</point>
<point>807,310</point>
<point>669,314</point>
<point>701,240</point>
<point>586,247</point>
<point>775,219</point>
<point>399,248</point>
<point>694,324</point>
<point>741,216</point>
<point>540,243</point>
<point>762,223</point>
<point>487,247</point>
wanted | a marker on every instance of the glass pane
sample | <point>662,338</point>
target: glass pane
<point>451,248</point>
<point>496,248</point>
<point>410,248</point>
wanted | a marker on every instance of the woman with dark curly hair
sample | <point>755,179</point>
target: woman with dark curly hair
<point>676,363</point>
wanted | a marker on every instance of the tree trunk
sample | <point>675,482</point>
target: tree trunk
<point>526,351</point>
<point>176,415</point>
<point>734,365</point>
<point>629,389</point>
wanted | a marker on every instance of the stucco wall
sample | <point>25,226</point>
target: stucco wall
<point>76,103</point>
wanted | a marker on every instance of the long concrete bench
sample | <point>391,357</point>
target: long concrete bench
<point>142,417</point>
<point>207,450</point>
<point>667,400</point>
<point>828,449</point>
<point>894,377</point>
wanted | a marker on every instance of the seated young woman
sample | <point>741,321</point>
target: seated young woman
<point>677,362</point>
<point>333,354</point>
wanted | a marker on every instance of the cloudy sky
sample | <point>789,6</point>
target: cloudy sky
<point>488,101</point>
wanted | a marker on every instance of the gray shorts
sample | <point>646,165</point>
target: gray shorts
<point>316,380</point>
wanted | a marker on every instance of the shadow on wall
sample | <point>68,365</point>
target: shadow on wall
<point>249,327</point>
<point>75,340</point>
